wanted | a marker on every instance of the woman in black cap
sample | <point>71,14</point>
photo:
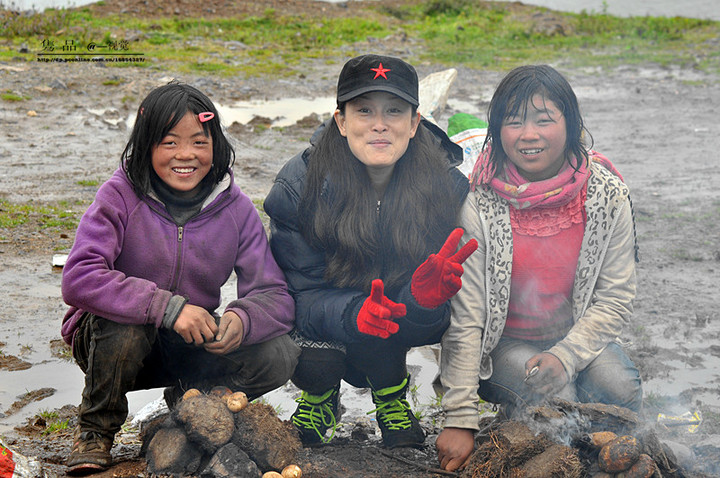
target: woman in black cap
<point>364,224</point>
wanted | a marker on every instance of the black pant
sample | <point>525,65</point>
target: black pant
<point>118,358</point>
<point>381,363</point>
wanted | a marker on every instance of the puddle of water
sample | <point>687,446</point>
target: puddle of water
<point>682,377</point>
<point>284,112</point>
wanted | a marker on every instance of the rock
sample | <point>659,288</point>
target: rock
<point>510,445</point>
<point>150,427</point>
<point>270,442</point>
<point>170,452</point>
<point>230,461</point>
<point>58,84</point>
<point>207,421</point>
<point>683,454</point>
<point>556,460</point>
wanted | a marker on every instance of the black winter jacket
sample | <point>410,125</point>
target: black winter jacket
<point>327,313</point>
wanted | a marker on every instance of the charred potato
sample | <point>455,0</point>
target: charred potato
<point>619,455</point>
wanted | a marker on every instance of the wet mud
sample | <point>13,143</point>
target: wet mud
<point>657,124</point>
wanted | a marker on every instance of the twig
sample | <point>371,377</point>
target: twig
<point>418,465</point>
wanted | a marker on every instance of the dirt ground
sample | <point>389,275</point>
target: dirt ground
<point>657,124</point>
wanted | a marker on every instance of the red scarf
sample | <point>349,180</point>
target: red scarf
<point>523,194</point>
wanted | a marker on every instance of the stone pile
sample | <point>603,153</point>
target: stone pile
<point>216,435</point>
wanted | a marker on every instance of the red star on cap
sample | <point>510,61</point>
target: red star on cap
<point>380,71</point>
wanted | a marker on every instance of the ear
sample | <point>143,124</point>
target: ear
<point>414,123</point>
<point>340,122</point>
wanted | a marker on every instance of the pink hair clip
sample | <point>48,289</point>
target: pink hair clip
<point>207,116</point>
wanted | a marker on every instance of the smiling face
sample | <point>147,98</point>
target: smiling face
<point>184,156</point>
<point>378,127</point>
<point>535,142</point>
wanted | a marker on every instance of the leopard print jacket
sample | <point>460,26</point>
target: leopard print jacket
<point>602,296</point>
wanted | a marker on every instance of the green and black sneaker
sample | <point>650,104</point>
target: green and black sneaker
<point>315,414</point>
<point>397,422</point>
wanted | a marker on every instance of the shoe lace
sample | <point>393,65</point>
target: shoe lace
<point>315,416</point>
<point>90,441</point>
<point>394,414</point>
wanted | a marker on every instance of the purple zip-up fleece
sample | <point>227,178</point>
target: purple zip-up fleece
<point>129,258</point>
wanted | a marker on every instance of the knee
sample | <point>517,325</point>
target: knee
<point>125,342</point>
<point>623,391</point>
<point>274,361</point>
<point>319,370</point>
<point>628,394</point>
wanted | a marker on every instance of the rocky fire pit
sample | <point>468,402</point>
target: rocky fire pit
<point>572,440</point>
<point>220,435</point>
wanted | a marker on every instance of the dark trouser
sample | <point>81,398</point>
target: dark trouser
<point>382,362</point>
<point>118,358</point>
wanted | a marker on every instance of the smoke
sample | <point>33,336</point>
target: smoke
<point>561,426</point>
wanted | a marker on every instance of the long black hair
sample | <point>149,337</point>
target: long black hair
<point>514,94</point>
<point>338,210</point>
<point>158,113</point>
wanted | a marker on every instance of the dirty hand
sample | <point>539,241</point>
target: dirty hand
<point>438,278</point>
<point>229,336</point>
<point>550,377</point>
<point>376,314</point>
<point>195,325</point>
<point>454,447</point>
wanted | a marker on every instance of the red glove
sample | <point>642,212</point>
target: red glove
<point>376,312</point>
<point>438,278</point>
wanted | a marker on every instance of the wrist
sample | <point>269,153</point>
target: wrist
<point>172,311</point>
<point>425,299</point>
<point>350,316</point>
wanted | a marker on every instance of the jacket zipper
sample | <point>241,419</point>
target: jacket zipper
<point>178,263</point>
<point>180,231</point>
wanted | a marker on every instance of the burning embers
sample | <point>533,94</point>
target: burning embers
<point>571,440</point>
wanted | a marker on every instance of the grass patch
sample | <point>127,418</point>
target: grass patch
<point>56,426</point>
<point>53,424</point>
<point>88,182</point>
<point>453,32</point>
<point>44,215</point>
<point>10,96</point>
<point>482,35</point>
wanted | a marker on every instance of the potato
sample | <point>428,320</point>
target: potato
<point>220,391</point>
<point>291,471</point>
<point>619,455</point>
<point>644,467</point>
<point>193,392</point>
<point>600,439</point>
<point>272,474</point>
<point>236,401</point>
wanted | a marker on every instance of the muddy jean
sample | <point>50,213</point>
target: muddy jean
<point>119,358</point>
<point>611,378</point>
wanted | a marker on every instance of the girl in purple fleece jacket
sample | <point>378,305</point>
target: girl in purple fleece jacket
<point>144,276</point>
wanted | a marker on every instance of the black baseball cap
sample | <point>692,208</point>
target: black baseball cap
<point>377,73</point>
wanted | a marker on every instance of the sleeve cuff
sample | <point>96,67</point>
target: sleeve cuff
<point>172,311</point>
<point>349,317</point>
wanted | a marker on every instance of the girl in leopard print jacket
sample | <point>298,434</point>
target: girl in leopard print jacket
<point>547,294</point>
